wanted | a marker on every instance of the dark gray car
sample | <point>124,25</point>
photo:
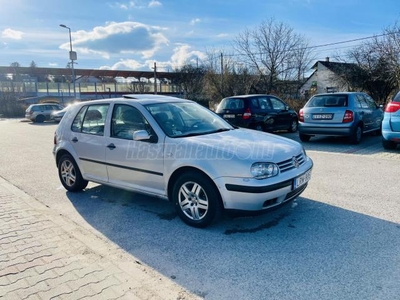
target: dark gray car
<point>340,114</point>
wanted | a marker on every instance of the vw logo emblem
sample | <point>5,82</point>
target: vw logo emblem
<point>296,162</point>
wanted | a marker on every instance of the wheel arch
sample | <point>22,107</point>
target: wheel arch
<point>61,153</point>
<point>178,172</point>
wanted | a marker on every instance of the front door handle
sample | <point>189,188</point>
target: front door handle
<point>75,139</point>
<point>111,146</point>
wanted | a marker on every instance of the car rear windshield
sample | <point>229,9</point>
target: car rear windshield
<point>328,101</point>
<point>232,103</point>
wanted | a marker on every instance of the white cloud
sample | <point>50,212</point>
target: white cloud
<point>127,64</point>
<point>195,21</point>
<point>119,38</point>
<point>137,4</point>
<point>183,55</point>
<point>12,34</point>
<point>154,3</point>
<point>221,35</point>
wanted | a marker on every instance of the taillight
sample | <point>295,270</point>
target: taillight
<point>55,138</point>
<point>247,114</point>
<point>348,116</point>
<point>301,115</point>
<point>30,112</point>
<point>392,107</point>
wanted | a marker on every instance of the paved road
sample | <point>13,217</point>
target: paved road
<point>340,240</point>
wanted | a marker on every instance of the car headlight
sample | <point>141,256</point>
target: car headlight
<point>262,170</point>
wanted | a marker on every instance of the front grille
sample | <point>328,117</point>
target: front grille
<point>289,164</point>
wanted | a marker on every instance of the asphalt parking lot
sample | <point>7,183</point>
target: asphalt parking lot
<point>339,240</point>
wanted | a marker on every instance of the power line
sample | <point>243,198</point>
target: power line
<point>325,45</point>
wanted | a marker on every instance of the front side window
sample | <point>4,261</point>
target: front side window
<point>277,104</point>
<point>371,102</point>
<point>126,120</point>
<point>362,101</point>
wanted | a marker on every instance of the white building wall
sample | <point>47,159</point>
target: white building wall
<point>325,81</point>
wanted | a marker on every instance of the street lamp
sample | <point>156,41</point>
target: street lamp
<point>72,57</point>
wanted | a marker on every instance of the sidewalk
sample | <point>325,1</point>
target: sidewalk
<point>43,255</point>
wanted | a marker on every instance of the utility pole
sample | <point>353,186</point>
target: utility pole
<point>72,57</point>
<point>155,78</point>
<point>222,71</point>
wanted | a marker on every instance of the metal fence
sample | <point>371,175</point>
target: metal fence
<point>92,90</point>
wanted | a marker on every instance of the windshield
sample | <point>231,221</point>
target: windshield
<point>186,119</point>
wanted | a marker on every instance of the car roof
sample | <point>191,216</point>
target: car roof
<point>249,96</point>
<point>143,99</point>
<point>338,93</point>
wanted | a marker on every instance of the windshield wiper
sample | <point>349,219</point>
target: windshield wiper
<point>203,132</point>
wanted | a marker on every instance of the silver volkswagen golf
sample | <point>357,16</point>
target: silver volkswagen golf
<point>178,150</point>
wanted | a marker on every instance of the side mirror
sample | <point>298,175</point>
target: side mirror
<point>141,135</point>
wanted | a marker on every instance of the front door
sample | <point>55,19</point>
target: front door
<point>137,165</point>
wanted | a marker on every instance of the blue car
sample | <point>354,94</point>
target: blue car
<point>391,124</point>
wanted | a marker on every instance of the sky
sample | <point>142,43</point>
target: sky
<point>133,35</point>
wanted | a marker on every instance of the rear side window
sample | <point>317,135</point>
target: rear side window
<point>91,119</point>
<point>328,101</point>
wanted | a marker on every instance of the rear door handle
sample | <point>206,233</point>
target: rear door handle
<point>111,146</point>
<point>75,139</point>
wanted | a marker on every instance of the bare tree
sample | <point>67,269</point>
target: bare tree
<point>227,76</point>
<point>191,81</point>
<point>375,70</point>
<point>275,51</point>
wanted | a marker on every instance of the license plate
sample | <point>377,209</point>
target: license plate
<point>322,116</point>
<point>229,116</point>
<point>303,179</point>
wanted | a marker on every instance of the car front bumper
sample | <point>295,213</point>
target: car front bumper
<point>254,195</point>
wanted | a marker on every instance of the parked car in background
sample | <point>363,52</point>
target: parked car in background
<point>391,124</point>
<point>41,112</point>
<point>260,112</point>
<point>340,114</point>
<point>178,150</point>
<point>56,115</point>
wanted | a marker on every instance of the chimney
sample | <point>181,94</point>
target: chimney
<point>327,59</point>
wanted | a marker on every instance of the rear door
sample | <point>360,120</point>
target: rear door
<point>89,142</point>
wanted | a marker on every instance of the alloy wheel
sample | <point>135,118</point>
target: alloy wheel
<point>193,200</point>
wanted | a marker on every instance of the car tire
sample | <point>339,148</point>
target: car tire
<point>70,175</point>
<point>388,145</point>
<point>356,136</point>
<point>197,200</point>
<point>293,125</point>
<point>40,119</point>
<point>304,137</point>
<point>259,127</point>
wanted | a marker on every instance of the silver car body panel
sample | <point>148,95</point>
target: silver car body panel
<point>225,157</point>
